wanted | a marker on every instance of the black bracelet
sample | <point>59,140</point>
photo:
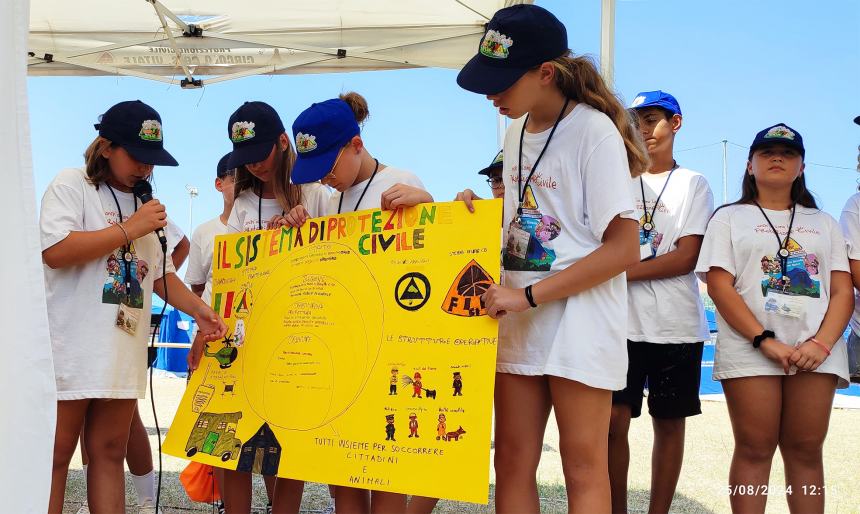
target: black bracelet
<point>529,296</point>
<point>757,340</point>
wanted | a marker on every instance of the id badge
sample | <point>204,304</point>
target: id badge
<point>784,305</point>
<point>127,318</point>
<point>646,252</point>
<point>518,240</point>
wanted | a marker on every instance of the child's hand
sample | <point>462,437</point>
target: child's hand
<point>150,216</point>
<point>196,352</point>
<point>401,195</point>
<point>500,299</point>
<point>467,196</point>
<point>778,352</point>
<point>808,356</point>
<point>276,221</point>
<point>297,216</point>
<point>210,325</point>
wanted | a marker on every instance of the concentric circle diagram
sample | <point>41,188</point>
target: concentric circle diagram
<point>311,344</point>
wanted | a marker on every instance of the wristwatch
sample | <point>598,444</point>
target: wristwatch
<point>761,337</point>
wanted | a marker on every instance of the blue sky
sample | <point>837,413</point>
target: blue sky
<point>735,67</point>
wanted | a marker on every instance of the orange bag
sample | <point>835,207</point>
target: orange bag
<point>199,483</point>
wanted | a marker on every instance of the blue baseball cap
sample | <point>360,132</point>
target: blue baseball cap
<point>223,170</point>
<point>517,39</point>
<point>657,98</point>
<point>320,132</point>
<point>779,133</point>
<point>253,128</point>
<point>496,165</point>
<point>136,127</point>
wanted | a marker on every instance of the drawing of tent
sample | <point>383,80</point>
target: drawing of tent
<point>261,453</point>
<point>243,307</point>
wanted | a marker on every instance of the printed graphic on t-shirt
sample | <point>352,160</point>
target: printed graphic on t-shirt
<point>528,247</point>
<point>799,278</point>
<point>114,287</point>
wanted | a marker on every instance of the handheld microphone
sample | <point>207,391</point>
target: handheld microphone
<point>143,191</point>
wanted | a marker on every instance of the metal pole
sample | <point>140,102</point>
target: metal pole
<point>607,41</point>
<point>725,171</point>
<point>192,193</point>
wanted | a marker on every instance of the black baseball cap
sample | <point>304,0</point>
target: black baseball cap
<point>517,39</point>
<point>223,170</point>
<point>779,133</point>
<point>253,128</point>
<point>136,127</point>
<point>496,165</point>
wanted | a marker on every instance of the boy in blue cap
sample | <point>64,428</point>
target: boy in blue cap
<point>666,325</point>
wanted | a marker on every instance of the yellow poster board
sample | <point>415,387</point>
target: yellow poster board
<point>358,353</point>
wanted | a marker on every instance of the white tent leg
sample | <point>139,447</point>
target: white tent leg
<point>27,379</point>
<point>607,41</point>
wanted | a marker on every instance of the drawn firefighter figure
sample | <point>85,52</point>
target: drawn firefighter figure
<point>413,425</point>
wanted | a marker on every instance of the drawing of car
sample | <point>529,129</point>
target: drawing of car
<point>215,434</point>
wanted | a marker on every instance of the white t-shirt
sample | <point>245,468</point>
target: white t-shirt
<point>383,180</point>
<point>93,358</point>
<point>740,241</point>
<point>850,222</point>
<point>581,185</point>
<point>669,310</point>
<point>173,234</point>
<point>200,257</point>
<point>245,216</point>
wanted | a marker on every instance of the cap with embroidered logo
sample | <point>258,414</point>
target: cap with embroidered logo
<point>779,133</point>
<point>517,39</point>
<point>320,132</point>
<point>253,129</point>
<point>136,127</point>
<point>657,98</point>
<point>496,165</point>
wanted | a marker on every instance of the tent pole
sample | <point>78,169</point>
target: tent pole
<point>173,44</point>
<point>607,41</point>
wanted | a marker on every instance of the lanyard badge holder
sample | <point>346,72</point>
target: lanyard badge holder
<point>127,317</point>
<point>777,299</point>
<point>647,250</point>
<point>518,237</point>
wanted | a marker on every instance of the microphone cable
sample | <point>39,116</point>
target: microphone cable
<point>152,367</point>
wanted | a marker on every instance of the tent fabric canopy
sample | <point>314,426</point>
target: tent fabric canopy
<point>178,41</point>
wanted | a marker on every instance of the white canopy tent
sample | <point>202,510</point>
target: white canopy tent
<point>179,41</point>
<point>190,43</point>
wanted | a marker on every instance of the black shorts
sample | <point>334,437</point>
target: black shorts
<point>671,372</point>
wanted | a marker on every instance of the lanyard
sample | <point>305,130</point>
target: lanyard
<point>522,187</point>
<point>260,209</point>
<point>648,226</point>
<point>783,252</point>
<point>360,198</point>
<point>126,249</point>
